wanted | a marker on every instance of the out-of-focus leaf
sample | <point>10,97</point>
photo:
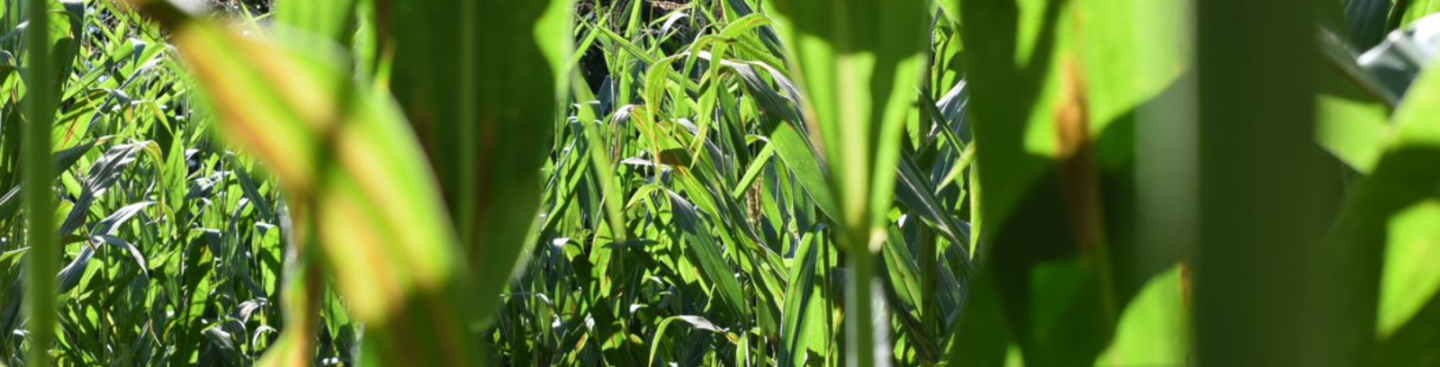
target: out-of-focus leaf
<point>1353,110</point>
<point>1132,51</point>
<point>1406,51</point>
<point>1391,208</point>
<point>219,339</point>
<point>1408,281</point>
<point>1403,204</point>
<point>1057,91</point>
<point>351,169</point>
<point>323,19</point>
<point>1154,330</point>
<point>480,82</point>
<point>1407,12</point>
<point>1014,60</point>
<point>982,333</point>
<point>1366,21</point>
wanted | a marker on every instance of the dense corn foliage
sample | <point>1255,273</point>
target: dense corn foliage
<point>719,182</point>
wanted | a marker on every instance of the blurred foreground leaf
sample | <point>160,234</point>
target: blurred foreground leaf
<point>480,81</point>
<point>352,172</point>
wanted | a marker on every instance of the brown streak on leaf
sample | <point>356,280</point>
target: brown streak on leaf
<point>1080,181</point>
<point>484,164</point>
<point>1076,156</point>
<point>242,125</point>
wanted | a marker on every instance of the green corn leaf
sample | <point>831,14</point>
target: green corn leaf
<point>350,168</point>
<point>102,175</point>
<point>902,271</point>
<point>1366,21</point>
<point>323,19</point>
<point>600,161</point>
<point>983,336</point>
<point>752,173</point>
<point>708,255</point>
<point>10,203</point>
<point>790,142</point>
<point>859,62</point>
<point>480,82</point>
<point>860,65</point>
<point>1406,12</point>
<point>1386,296</point>
<point>915,192</point>
<point>1407,282</point>
<point>1059,92</point>
<point>1353,116</point>
<point>696,322</point>
<point>1154,330</point>
<point>807,329</point>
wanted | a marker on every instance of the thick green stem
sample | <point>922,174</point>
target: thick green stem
<point>860,325</point>
<point>44,256</point>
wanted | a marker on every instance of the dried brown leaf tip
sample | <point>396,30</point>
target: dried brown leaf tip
<point>667,5</point>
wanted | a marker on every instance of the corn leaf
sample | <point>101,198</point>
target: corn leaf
<point>1407,12</point>
<point>350,169</point>
<point>859,66</point>
<point>479,81</point>
<point>1385,233</point>
<point>859,63</point>
<point>1154,330</point>
<point>324,19</point>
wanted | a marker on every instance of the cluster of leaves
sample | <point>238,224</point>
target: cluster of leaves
<point>689,214</point>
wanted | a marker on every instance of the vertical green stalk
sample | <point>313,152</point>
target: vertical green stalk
<point>43,256</point>
<point>1265,198</point>
<point>860,327</point>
